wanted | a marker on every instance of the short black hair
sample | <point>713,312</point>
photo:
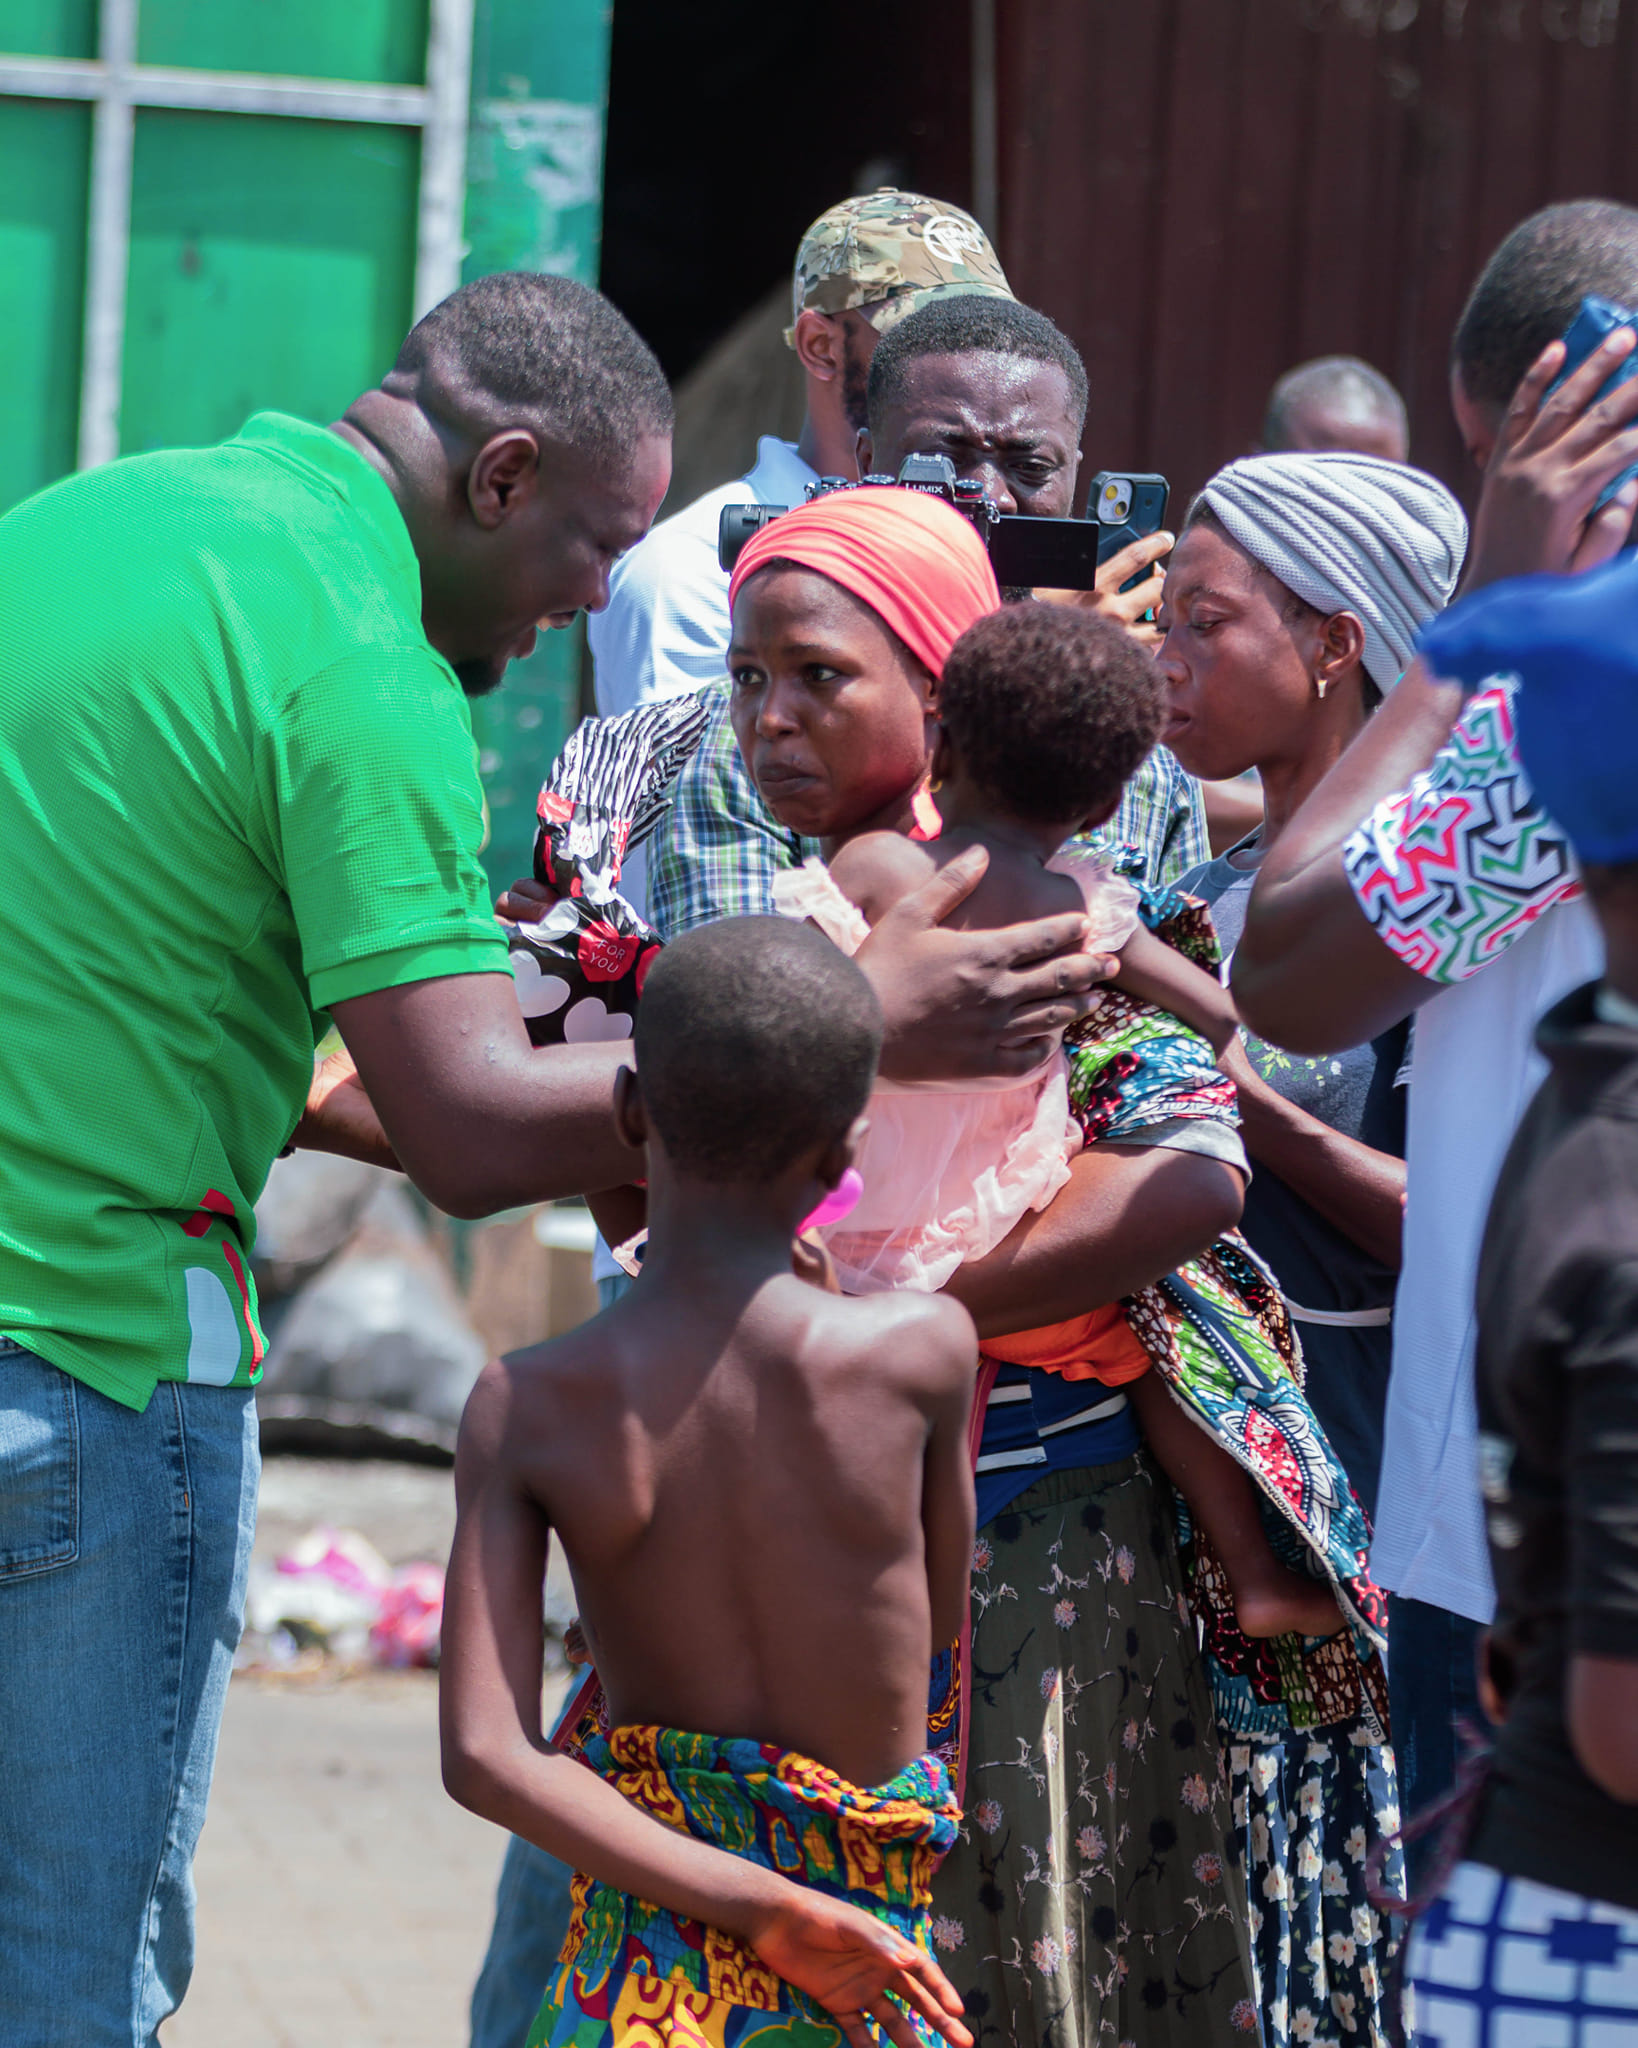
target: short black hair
<point>1051,710</point>
<point>756,1039</point>
<point>1344,384</point>
<point>969,325</point>
<point>1532,288</point>
<point>523,348</point>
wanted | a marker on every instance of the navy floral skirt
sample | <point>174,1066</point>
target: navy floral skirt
<point>1310,1810</point>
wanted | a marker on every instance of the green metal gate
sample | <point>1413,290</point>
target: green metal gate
<point>211,206</point>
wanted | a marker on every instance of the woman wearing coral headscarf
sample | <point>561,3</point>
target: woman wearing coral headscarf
<point>1092,1761</point>
<point>886,582</point>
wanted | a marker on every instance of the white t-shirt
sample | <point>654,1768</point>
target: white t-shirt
<point>665,627</point>
<point>1467,880</point>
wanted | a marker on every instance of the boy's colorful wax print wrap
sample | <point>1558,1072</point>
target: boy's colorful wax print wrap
<point>633,1973</point>
<point>579,971</point>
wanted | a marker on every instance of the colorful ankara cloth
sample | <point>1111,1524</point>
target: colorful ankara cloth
<point>1349,533</point>
<point>1096,1893</point>
<point>914,560</point>
<point>632,1975</point>
<point>1572,642</point>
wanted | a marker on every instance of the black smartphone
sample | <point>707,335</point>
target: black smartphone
<point>1127,505</point>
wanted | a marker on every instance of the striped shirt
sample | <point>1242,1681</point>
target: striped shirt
<point>1038,1422</point>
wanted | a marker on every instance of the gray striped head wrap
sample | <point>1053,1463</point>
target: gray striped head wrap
<point>1349,533</point>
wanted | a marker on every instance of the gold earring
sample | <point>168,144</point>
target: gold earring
<point>935,785</point>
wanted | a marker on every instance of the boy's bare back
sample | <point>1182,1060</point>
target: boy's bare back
<point>766,1503</point>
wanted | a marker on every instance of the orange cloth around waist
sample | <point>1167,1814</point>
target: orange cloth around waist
<point>1099,1346</point>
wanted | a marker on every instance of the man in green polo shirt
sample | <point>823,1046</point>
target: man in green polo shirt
<point>232,722</point>
<point>231,706</point>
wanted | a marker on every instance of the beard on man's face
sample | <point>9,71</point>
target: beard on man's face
<point>479,678</point>
<point>855,380</point>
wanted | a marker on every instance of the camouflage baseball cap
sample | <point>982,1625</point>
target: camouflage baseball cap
<point>887,253</point>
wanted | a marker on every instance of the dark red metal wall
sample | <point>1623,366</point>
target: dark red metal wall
<point>1205,192</point>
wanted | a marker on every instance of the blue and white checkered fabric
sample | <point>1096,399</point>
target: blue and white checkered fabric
<point>1498,1962</point>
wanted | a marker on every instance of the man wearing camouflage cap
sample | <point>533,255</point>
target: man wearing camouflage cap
<point>861,267</point>
<point>888,252</point>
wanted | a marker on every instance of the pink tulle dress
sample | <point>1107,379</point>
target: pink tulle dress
<point>950,1167</point>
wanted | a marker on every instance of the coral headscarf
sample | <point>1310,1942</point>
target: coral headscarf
<point>915,561</point>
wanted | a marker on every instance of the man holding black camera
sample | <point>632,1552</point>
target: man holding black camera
<point>862,267</point>
<point>994,386</point>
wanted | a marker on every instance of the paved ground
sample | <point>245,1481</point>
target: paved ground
<point>344,1900</point>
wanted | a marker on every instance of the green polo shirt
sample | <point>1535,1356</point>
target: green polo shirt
<point>236,786</point>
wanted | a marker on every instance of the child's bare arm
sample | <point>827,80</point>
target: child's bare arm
<point>1160,975</point>
<point>948,1509</point>
<point>619,1213</point>
<point>879,868</point>
<point>497,1762</point>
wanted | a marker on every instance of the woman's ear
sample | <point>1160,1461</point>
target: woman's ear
<point>1341,647</point>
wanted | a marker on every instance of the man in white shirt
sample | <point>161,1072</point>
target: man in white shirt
<point>1425,867</point>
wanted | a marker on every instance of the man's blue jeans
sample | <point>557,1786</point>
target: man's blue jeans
<point>1432,1679</point>
<point>124,1549</point>
<point>531,1919</point>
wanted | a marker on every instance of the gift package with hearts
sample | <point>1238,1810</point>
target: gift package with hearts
<point>579,971</point>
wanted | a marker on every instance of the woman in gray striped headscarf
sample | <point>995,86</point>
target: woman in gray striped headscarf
<point>1293,601</point>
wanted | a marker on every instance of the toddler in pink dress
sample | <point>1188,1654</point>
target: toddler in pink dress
<point>1044,715</point>
<point>950,1166</point>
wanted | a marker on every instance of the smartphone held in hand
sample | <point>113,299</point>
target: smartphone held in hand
<point>1595,323</point>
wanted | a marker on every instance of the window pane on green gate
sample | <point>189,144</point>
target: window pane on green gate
<point>44,155</point>
<point>373,39</point>
<point>48,28</point>
<point>383,40</point>
<point>271,265</point>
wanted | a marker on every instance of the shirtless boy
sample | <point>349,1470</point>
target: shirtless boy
<point>764,1494</point>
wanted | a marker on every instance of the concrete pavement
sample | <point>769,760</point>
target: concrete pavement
<point>344,1898</point>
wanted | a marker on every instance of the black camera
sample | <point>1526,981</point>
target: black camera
<point>1025,553</point>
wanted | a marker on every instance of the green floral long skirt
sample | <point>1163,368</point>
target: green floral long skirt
<point>1096,1895</point>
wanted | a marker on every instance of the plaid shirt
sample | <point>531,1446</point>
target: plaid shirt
<point>1162,813</point>
<point>717,853</point>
